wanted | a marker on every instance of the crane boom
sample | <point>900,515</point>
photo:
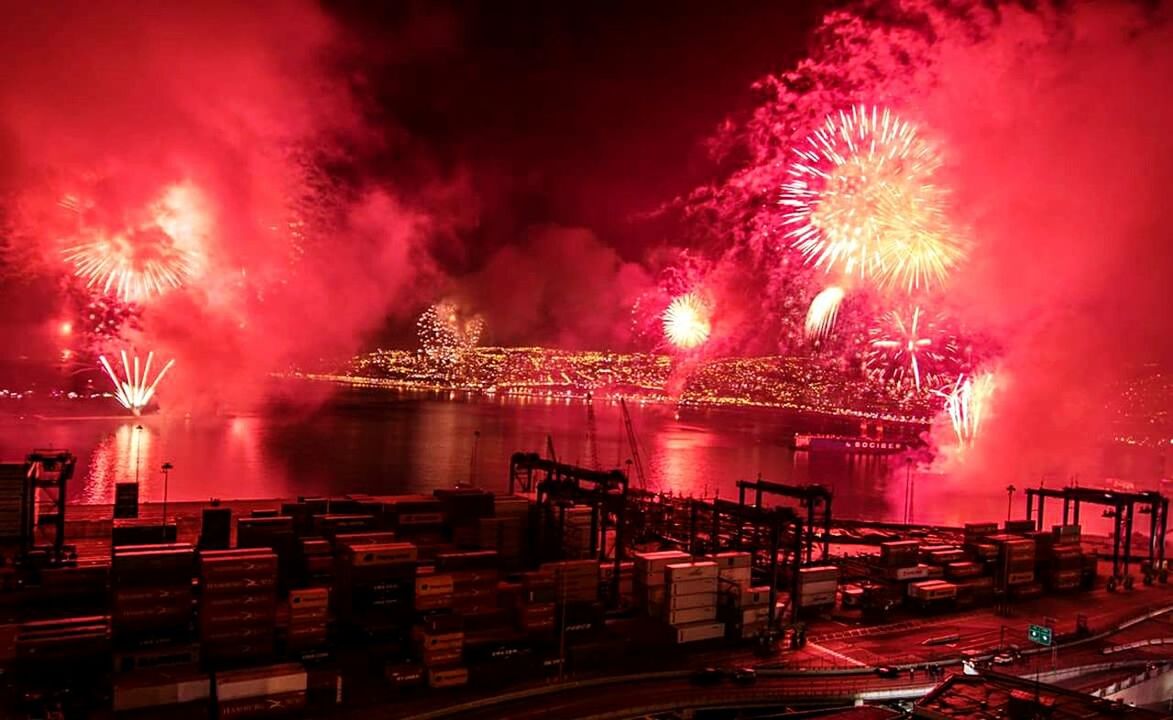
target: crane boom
<point>633,443</point>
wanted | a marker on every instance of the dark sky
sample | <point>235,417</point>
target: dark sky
<point>580,114</point>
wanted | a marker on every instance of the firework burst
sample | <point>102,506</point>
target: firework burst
<point>860,199</point>
<point>687,321</point>
<point>135,263</point>
<point>444,336</point>
<point>820,317</point>
<point>966,401</point>
<point>135,388</point>
<point>909,346</point>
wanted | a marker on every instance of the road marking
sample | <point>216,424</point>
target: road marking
<point>838,655</point>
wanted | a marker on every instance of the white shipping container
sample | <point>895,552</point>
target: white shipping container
<point>165,692</point>
<point>737,574</point>
<point>759,595</point>
<point>695,632</point>
<point>260,684</point>
<point>692,615</point>
<point>821,572</point>
<point>731,559</point>
<point>678,572</point>
<point>817,586</point>
<point>680,602</point>
<point>910,573</point>
<point>692,587</point>
<point>816,600</point>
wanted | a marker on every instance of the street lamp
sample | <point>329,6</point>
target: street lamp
<point>1009,499</point>
<point>137,447</point>
<point>909,490</point>
<point>167,466</point>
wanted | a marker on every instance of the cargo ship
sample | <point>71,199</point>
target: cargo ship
<point>856,445</point>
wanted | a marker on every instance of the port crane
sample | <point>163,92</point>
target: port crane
<point>633,443</point>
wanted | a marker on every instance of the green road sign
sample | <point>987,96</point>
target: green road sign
<point>1040,634</point>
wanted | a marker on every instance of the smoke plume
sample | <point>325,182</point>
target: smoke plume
<point>1057,125</point>
<point>241,105</point>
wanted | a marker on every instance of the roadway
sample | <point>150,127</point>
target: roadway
<point>833,668</point>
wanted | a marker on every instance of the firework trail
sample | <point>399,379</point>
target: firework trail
<point>686,322</point>
<point>444,337</point>
<point>908,344</point>
<point>860,199</point>
<point>136,388</point>
<point>820,317</point>
<point>966,401</point>
<point>159,254</point>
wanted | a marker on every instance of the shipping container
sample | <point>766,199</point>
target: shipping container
<point>260,682</point>
<point>696,632</point>
<point>700,570</point>
<point>160,688</point>
<point>692,587</point>
<point>686,616</point>
<point>447,677</point>
<point>681,602</point>
<point>730,560</point>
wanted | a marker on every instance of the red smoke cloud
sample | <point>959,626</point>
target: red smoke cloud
<point>114,104</point>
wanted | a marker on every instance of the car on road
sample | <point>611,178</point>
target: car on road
<point>745,676</point>
<point>1002,659</point>
<point>887,671</point>
<point>706,676</point>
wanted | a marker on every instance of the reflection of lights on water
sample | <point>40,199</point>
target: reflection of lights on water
<point>115,459</point>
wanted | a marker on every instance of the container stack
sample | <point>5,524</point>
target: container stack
<point>576,532</point>
<point>330,525</point>
<point>536,603</point>
<point>174,694</point>
<point>975,591</point>
<point>309,615</point>
<point>900,560</point>
<point>151,610</point>
<point>510,523</point>
<point>575,581</point>
<point>261,692</point>
<point>315,562</point>
<point>463,508</point>
<point>474,580</point>
<point>237,606</point>
<point>817,587</point>
<point>419,518</point>
<point>374,589</point>
<point>275,533</point>
<point>1066,534</point>
<point>745,610</point>
<point>1015,570</point>
<point>433,591</point>
<point>733,568</point>
<point>440,647</point>
<point>1064,567</point>
<point>649,578</point>
<point>691,601</point>
<point>932,594</point>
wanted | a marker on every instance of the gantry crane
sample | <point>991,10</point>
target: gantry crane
<point>633,443</point>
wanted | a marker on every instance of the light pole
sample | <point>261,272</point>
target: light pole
<point>137,447</point>
<point>1009,499</point>
<point>167,466</point>
<point>908,490</point>
<point>472,466</point>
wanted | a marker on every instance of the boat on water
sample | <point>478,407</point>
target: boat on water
<point>858,445</point>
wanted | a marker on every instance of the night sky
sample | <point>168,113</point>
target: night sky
<point>576,114</point>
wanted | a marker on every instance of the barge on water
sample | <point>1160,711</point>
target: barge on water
<point>855,445</point>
